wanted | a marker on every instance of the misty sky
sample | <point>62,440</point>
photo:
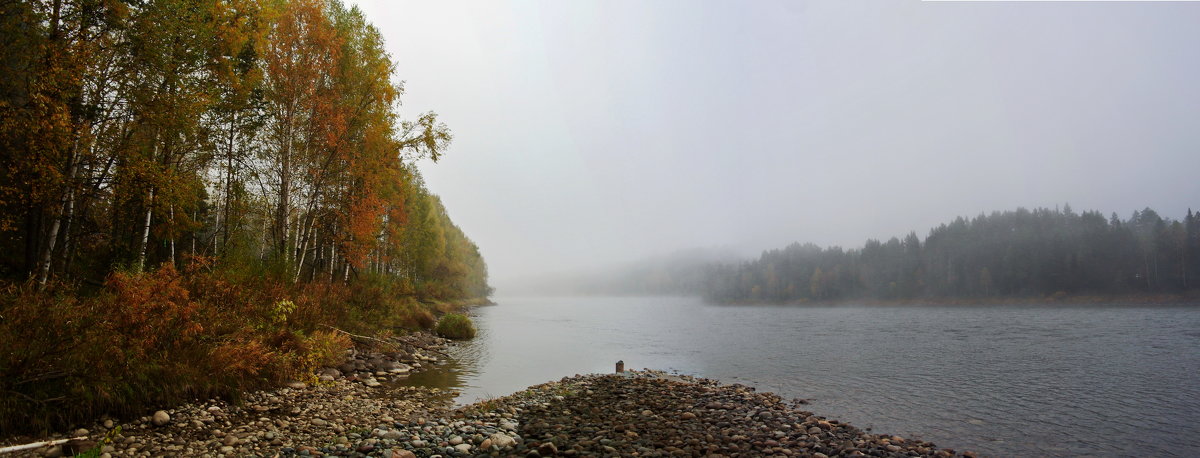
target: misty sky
<point>594,133</point>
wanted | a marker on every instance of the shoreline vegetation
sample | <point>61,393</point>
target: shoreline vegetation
<point>350,413</point>
<point>203,199</point>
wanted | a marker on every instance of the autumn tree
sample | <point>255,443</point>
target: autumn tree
<point>259,131</point>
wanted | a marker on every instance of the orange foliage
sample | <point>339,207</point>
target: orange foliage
<point>152,312</point>
<point>240,358</point>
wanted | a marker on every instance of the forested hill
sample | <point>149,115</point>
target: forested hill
<point>1019,253</point>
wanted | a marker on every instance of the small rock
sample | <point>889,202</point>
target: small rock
<point>502,440</point>
<point>81,432</point>
<point>161,418</point>
<point>371,382</point>
<point>463,448</point>
<point>392,434</point>
<point>318,422</point>
<point>547,449</point>
<point>456,440</point>
<point>108,424</point>
<point>296,385</point>
<point>486,444</point>
<point>688,416</point>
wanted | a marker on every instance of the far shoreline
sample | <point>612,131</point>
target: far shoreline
<point>1100,300</point>
<point>1125,300</point>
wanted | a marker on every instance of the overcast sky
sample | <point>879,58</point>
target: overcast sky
<point>592,133</point>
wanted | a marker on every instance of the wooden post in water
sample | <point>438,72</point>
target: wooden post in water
<point>620,366</point>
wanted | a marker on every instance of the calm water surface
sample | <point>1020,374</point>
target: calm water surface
<point>1009,381</point>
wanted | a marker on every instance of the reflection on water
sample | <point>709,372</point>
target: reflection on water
<point>999,380</point>
<point>456,372</point>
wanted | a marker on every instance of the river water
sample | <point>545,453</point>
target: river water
<point>999,380</point>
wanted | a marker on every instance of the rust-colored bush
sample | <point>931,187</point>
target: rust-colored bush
<point>42,336</point>
<point>148,340</point>
<point>151,312</point>
<point>240,359</point>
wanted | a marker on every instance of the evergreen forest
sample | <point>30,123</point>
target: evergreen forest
<point>1013,254</point>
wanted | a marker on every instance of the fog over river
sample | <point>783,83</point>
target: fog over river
<point>1001,380</point>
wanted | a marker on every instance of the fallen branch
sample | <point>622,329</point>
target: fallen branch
<point>393,344</point>
<point>17,448</point>
<point>356,336</point>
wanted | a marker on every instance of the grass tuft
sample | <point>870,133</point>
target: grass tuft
<point>455,326</point>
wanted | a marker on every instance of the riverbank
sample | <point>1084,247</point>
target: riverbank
<point>645,413</point>
<point>330,409</point>
<point>163,337</point>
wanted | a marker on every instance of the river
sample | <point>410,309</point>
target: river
<point>999,380</point>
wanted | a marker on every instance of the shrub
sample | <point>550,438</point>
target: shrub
<point>455,326</point>
<point>152,339</point>
<point>325,348</point>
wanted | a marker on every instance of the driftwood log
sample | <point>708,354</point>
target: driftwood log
<point>17,448</point>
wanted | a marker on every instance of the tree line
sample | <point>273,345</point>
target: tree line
<point>254,132</point>
<point>1022,253</point>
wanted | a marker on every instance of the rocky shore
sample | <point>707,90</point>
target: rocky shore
<point>321,416</point>
<point>655,414</point>
<point>643,414</point>
<point>354,411</point>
